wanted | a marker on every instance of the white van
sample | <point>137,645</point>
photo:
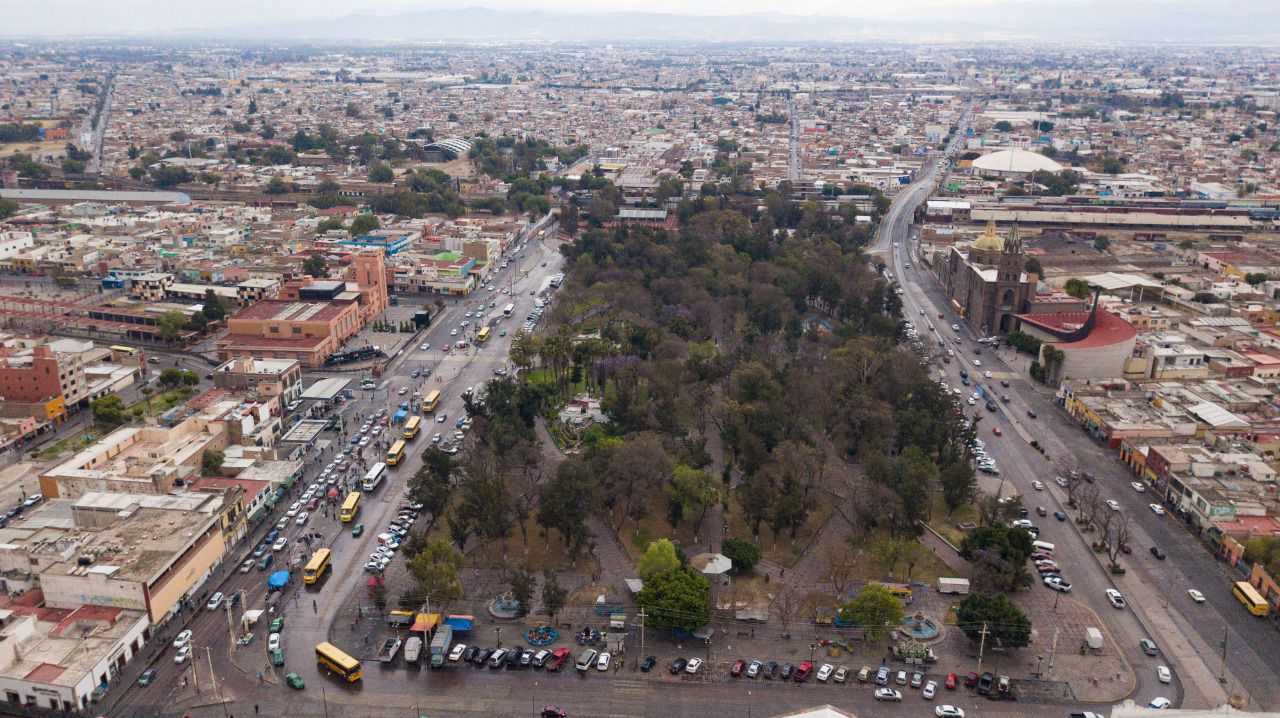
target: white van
<point>1042,546</point>
<point>587,660</point>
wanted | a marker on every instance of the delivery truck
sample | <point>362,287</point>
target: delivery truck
<point>440,645</point>
<point>956,586</point>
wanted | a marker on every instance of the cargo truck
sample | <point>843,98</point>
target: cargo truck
<point>440,645</point>
<point>957,586</point>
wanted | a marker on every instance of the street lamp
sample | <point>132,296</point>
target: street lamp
<point>498,630</point>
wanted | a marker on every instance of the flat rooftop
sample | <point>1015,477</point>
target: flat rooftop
<point>281,310</point>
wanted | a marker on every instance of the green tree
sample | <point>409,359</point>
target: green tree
<point>874,610</point>
<point>1101,243</point>
<point>381,172</point>
<point>1003,126</point>
<point>1005,623</point>
<point>213,307</point>
<point>170,325</point>
<point>1253,279</point>
<point>660,557</point>
<point>364,224</point>
<point>430,485</point>
<point>554,595</point>
<point>744,554</point>
<point>1077,287</point>
<point>691,493</point>
<point>8,208</point>
<point>211,462</point>
<point>328,225</point>
<point>435,571</point>
<point>170,378</point>
<point>277,185</point>
<point>1033,266</point>
<point>109,411</point>
<point>523,582</point>
<point>678,599</point>
<point>316,266</point>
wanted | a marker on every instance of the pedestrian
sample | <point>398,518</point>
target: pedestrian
<point>255,709</point>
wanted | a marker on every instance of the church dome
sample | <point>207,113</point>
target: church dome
<point>989,239</point>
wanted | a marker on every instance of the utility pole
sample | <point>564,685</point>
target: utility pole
<point>231,630</point>
<point>636,665</point>
<point>195,675</point>
<point>982,644</point>
<point>1222,672</point>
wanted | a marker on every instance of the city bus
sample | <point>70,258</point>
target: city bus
<point>507,310</point>
<point>433,398</point>
<point>411,426</point>
<point>127,351</point>
<point>396,453</point>
<point>376,473</point>
<point>1249,596</point>
<point>482,335</point>
<point>329,656</point>
<point>350,507</point>
<point>900,590</point>
<point>316,567</point>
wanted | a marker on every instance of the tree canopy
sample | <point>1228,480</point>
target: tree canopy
<point>1005,623</point>
<point>874,610</point>
<point>678,599</point>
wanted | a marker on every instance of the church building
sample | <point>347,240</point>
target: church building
<point>986,283</point>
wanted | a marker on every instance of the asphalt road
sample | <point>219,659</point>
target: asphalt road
<point>1252,653</point>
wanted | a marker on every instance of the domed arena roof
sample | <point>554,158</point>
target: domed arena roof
<point>1015,161</point>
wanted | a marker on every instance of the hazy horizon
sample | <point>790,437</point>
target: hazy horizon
<point>1233,21</point>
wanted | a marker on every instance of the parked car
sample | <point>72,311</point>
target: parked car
<point>215,601</point>
<point>648,663</point>
<point>678,665</point>
<point>182,655</point>
<point>888,694</point>
<point>946,711</point>
<point>147,677</point>
<point>841,674</point>
<point>803,671</point>
<point>753,669</point>
<point>930,690</point>
<point>950,683</point>
<point>882,676</point>
<point>736,669</point>
<point>787,671</point>
<point>692,667</point>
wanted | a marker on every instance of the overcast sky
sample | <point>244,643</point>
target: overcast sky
<point>111,17</point>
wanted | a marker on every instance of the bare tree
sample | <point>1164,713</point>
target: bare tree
<point>840,566</point>
<point>1087,503</point>
<point>786,606</point>
<point>1118,531</point>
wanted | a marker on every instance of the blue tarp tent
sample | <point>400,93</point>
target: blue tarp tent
<point>278,580</point>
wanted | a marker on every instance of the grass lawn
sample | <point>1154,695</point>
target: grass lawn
<point>74,442</point>
<point>781,550</point>
<point>867,567</point>
<point>164,401</point>
<point>949,526</point>
<point>538,554</point>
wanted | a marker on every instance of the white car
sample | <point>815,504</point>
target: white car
<point>294,508</point>
<point>457,652</point>
<point>247,566</point>
<point>403,390</point>
<point>693,666</point>
<point>1157,508</point>
<point>182,639</point>
<point>453,332</point>
<point>977,362</point>
<point>1060,481</point>
<point>946,711</point>
<point>182,655</point>
<point>888,694</point>
<point>1162,673</point>
<point>930,690</point>
<point>971,401</point>
<point>1195,595</point>
<point>1113,504</point>
<point>273,642</point>
<point>1137,486</point>
<point>280,544</point>
<point>425,346</point>
<point>215,601</point>
<point>1038,486</point>
<point>1115,598</point>
<point>602,663</point>
<point>302,518</point>
<point>825,671</point>
<point>986,374</point>
<point>1159,703</point>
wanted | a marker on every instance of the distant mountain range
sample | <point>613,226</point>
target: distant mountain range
<point>1150,21</point>
<point>1089,22</point>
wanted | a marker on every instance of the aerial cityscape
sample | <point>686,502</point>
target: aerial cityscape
<point>667,361</point>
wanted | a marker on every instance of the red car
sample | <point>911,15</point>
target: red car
<point>446,348</point>
<point>803,671</point>
<point>558,659</point>
<point>951,682</point>
<point>996,430</point>
<point>737,668</point>
<point>971,680</point>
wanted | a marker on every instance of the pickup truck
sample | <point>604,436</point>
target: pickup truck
<point>390,648</point>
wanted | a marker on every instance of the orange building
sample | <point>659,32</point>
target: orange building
<point>312,317</point>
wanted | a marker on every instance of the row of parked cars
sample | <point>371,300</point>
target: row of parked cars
<point>389,540</point>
